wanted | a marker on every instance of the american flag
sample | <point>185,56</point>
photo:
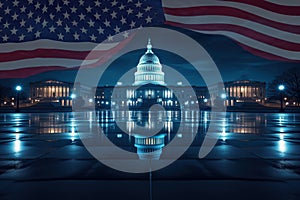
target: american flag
<point>42,35</point>
<point>270,29</point>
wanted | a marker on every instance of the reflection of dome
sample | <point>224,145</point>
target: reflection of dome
<point>149,69</point>
<point>149,148</point>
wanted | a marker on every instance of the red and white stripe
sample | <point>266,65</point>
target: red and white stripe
<point>270,29</point>
<point>21,60</point>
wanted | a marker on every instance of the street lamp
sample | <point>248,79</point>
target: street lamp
<point>18,89</point>
<point>281,89</point>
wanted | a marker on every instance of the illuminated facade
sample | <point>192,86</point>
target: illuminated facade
<point>54,91</point>
<point>149,88</point>
<point>238,92</point>
<point>149,69</point>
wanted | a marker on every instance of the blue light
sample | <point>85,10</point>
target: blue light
<point>73,96</point>
<point>18,88</point>
<point>223,96</point>
<point>205,100</point>
<point>281,87</point>
<point>282,146</point>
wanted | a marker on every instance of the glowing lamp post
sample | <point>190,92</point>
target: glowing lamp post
<point>18,89</point>
<point>223,96</point>
<point>73,96</point>
<point>281,89</point>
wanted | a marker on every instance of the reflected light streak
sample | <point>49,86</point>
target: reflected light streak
<point>205,118</point>
<point>281,136</point>
<point>90,117</point>
<point>17,144</point>
<point>223,133</point>
<point>130,126</point>
<point>281,130</point>
<point>282,144</point>
<point>73,131</point>
<point>281,119</point>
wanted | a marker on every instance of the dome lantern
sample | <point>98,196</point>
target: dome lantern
<point>149,47</point>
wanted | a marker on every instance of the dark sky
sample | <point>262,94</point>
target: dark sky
<point>232,60</point>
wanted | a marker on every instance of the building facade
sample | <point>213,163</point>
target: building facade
<point>54,91</point>
<point>59,93</point>
<point>149,88</point>
<point>238,92</point>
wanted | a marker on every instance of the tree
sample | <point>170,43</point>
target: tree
<point>5,93</point>
<point>291,80</point>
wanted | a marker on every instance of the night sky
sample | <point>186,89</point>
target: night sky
<point>232,60</point>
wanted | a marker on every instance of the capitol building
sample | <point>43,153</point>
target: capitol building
<point>148,88</point>
<point>149,69</point>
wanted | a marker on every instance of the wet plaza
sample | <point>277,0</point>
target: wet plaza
<point>257,156</point>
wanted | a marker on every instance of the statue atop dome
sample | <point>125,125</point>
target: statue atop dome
<point>149,47</point>
<point>149,69</point>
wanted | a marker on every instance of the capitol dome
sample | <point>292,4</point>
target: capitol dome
<point>148,58</point>
<point>149,69</point>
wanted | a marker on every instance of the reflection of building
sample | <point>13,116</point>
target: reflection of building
<point>242,91</point>
<point>149,148</point>
<point>51,91</point>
